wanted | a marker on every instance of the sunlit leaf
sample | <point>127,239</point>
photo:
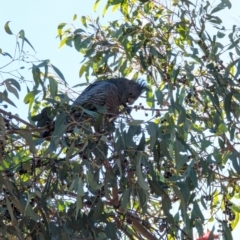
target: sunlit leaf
<point>96,5</point>
<point>84,21</point>
<point>60,27</point>
<point>53,86</point>
<point>74,17</point>
<point>7,28</point>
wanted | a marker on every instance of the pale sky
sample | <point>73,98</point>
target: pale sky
<point>40,18</point>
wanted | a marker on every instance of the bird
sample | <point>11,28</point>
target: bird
<point>111,94</point>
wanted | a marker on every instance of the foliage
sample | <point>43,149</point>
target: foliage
<point>139,179</point>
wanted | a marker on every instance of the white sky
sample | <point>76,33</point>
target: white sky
<point>40,18</point>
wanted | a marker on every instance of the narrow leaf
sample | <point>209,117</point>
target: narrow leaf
<point>59,73</point>
<point>53,86</point>
<point>28,137</point>
<point>74,17</point>
<point>7,28</point>
<point>140,178</point>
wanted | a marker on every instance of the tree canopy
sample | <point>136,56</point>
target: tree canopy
<point>148,178</point>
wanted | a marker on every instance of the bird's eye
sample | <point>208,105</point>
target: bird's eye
<point>130,94</point>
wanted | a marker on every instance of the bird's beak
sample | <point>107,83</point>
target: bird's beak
<point>131,101</point>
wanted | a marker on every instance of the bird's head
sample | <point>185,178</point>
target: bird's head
<point>135,89</point>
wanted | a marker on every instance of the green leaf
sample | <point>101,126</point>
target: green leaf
<point>80,190</point>
<point>227,235</point>
<point>205,144</point>
<point>218,8</point>
<point>150,99</point>
<point>193,177</point>
<point>10,210</point>
<point>158,188</point>
<point>177,149</point>
<point>140,178</point>
<point>222,128</point>
<point>118,162</point>
<point>10,88</point>
<point>80,194</point>
<point>91,113</point>
<point>235,162</point>
<point>74,17</point>
<point>29,212</point>
<point>183,186</point>
<point>22,36</point>
<point>91,181</point>
<point>135,122</point>
<point>111,230</point>
<point>36,76</point>
<point>182,113</point>
<point>143,199</point>
<point>96,5</point>
<point>78,43</point>
<point>43,63</point>
<point>60,128</point>
<point>124,7</point>
<point>142,60</point>
<point>180,196</point>
<point>24,39</point>
<point>70,151</point>
<point>84,21</point>
<point>97,212</point>
<point>98,123</point>
<point>199,227</point>
<point>133,130</point>
<point>141,145</point>
<point>166,206</point>
<point>220,35</point>
<point>4,97</point>
<point>159,96</point>
<point>197,211</point>
<point>28,137</point>
<point>125,199</point>
<point>228,3</point>
<point>53,86</point>
<point>7,28</point>
<point>235,222</point>
<point>60,27</point>
<point>155,52</point>
<point>227,105</point>
<point>59,73</point>
<point>63,41</point>
<point>30,97</point>
<point>83,68</point>
<point>14,82</point>
<point>7,54</point>
<point>152,129</point>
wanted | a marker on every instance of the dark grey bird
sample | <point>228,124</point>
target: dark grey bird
<point>111,94</point>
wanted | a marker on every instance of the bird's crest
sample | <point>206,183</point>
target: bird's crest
<point>143,84</point>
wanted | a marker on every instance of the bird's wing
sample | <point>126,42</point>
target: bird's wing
<point>91,93</point>
<point>103,93</point>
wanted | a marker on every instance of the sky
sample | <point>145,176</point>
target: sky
<point>40,18</point>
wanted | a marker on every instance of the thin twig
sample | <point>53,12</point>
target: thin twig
<point>17,118</point>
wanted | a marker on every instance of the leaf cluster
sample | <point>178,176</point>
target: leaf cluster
<point>95,178</point>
